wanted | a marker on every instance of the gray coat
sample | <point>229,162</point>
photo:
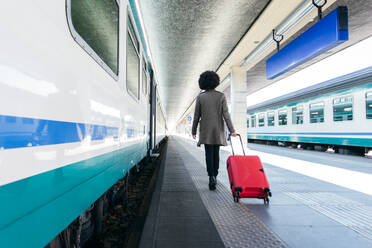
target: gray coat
<point>211,109</point>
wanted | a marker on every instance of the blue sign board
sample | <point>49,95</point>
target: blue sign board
<point>329,32</point>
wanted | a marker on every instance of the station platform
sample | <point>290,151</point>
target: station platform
<point>305,210</point>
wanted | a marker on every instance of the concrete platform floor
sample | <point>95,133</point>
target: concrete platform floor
<point>310,207</point>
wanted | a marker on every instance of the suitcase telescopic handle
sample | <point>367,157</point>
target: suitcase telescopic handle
<point>241,142</point>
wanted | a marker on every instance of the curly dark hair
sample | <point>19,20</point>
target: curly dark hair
<point>209,80</point>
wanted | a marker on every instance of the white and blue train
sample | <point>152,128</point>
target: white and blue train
<point>334,114</point>
<point>78,109</point>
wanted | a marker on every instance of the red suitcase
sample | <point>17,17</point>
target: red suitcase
<point>247,176</point>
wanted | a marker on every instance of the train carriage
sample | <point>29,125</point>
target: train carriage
<point>336,113</point>
<point>75,80</point>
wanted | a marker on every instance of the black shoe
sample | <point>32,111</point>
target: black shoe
<point>212,184</point>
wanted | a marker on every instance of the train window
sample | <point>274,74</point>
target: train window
<point>253,121</point>
<point>270,119</point>
<point>343,109</point>
<point>132,33</point>
<point>261,120</point>
<point>94,24</point>
<point>282,117</point>
<point>297,115</point>
<point>369,105</point>
<point>247,122</point>
<point>133,66</point>
<point>316,112</point>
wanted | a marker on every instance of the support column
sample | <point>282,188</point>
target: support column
<point>238,101</point>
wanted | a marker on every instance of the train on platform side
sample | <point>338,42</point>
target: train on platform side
<point>335,115</point>
<point>79,108</point>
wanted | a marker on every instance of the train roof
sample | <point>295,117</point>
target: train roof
<point>350,80</point>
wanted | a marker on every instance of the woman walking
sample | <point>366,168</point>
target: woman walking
<point>211,110</point>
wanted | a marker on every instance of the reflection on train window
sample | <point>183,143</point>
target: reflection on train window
<point>261,120</point>
<point>317,112</point>
<point>130,133</point>
<point>133,67</point>
<point>282,117</point>
<point>253,121</point>
<point>97,23</point>
<point>297,115</point>
<point>270,119</point>
<point>369,105</point>
<point>133,34</point>
<point>343,109</point>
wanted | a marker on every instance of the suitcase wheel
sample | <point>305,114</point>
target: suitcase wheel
<point>236,196</point>
<point>268,192</point>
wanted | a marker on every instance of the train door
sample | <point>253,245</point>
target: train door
<point>152,111</point>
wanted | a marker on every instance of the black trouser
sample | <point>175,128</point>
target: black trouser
<point>212,157</point>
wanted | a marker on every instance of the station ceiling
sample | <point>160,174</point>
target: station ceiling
<point>189,37</point>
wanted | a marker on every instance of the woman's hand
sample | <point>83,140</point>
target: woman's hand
<point>234,134</point>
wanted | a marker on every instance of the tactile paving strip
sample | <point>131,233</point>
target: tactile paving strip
<point>236,224</point>
<point>352,214</point>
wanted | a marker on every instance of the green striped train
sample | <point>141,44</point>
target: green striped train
<point>79,110</point>
<point>334,114</point>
